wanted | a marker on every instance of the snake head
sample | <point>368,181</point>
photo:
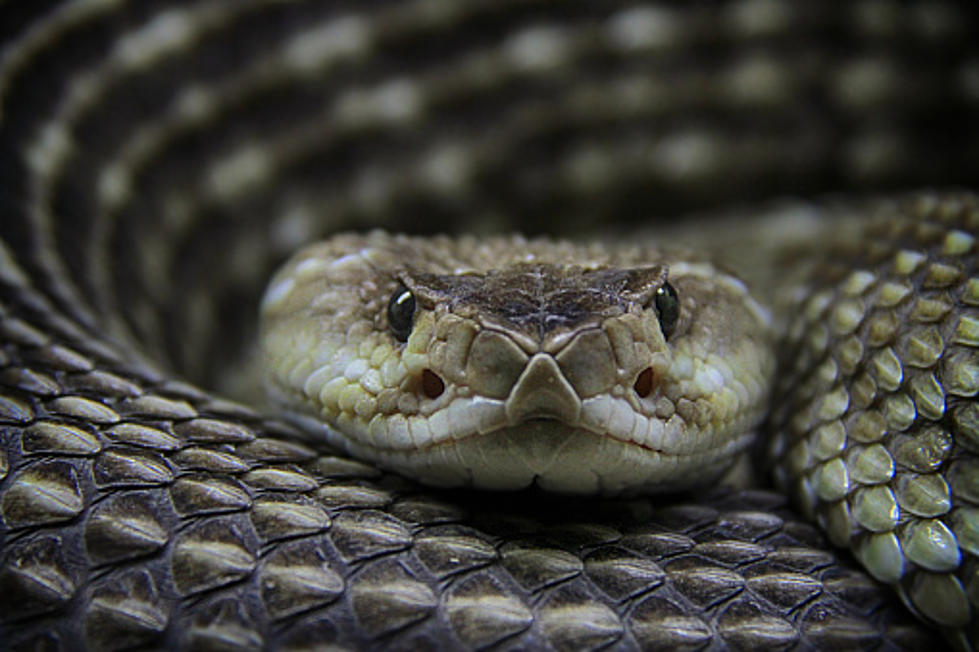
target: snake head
<point>501,363</point>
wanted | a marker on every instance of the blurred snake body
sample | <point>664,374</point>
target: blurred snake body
<point>160,160</point>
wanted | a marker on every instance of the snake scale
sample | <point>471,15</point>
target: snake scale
<point>158,160</point>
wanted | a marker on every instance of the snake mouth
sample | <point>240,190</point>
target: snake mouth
<point>556,456</point>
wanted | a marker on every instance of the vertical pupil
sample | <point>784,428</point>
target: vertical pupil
<point>667,308</point>
<point>401,310</point>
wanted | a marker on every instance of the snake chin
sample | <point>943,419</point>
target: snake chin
<point>553,456</point>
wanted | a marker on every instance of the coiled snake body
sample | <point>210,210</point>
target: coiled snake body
<point>159,160</point>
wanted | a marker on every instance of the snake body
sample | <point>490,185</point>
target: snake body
<point>160,159</point>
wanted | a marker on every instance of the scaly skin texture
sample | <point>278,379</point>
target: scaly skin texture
<point>158,159</point>
<point>876,420</point>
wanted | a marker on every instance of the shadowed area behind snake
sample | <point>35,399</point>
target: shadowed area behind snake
<point>158,160</point>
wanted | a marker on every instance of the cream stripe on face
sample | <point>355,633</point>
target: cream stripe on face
<point>476,362</point>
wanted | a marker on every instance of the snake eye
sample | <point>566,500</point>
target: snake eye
<point>667,308</point>
<point>401,311</point>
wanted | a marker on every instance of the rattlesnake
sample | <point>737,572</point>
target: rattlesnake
<point>159,160</point>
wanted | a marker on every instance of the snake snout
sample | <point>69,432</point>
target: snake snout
<point>553,384</point>
<point>542,391</point>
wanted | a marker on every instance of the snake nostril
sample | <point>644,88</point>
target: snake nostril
<point>644,383</point>
<point>432,385</point>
